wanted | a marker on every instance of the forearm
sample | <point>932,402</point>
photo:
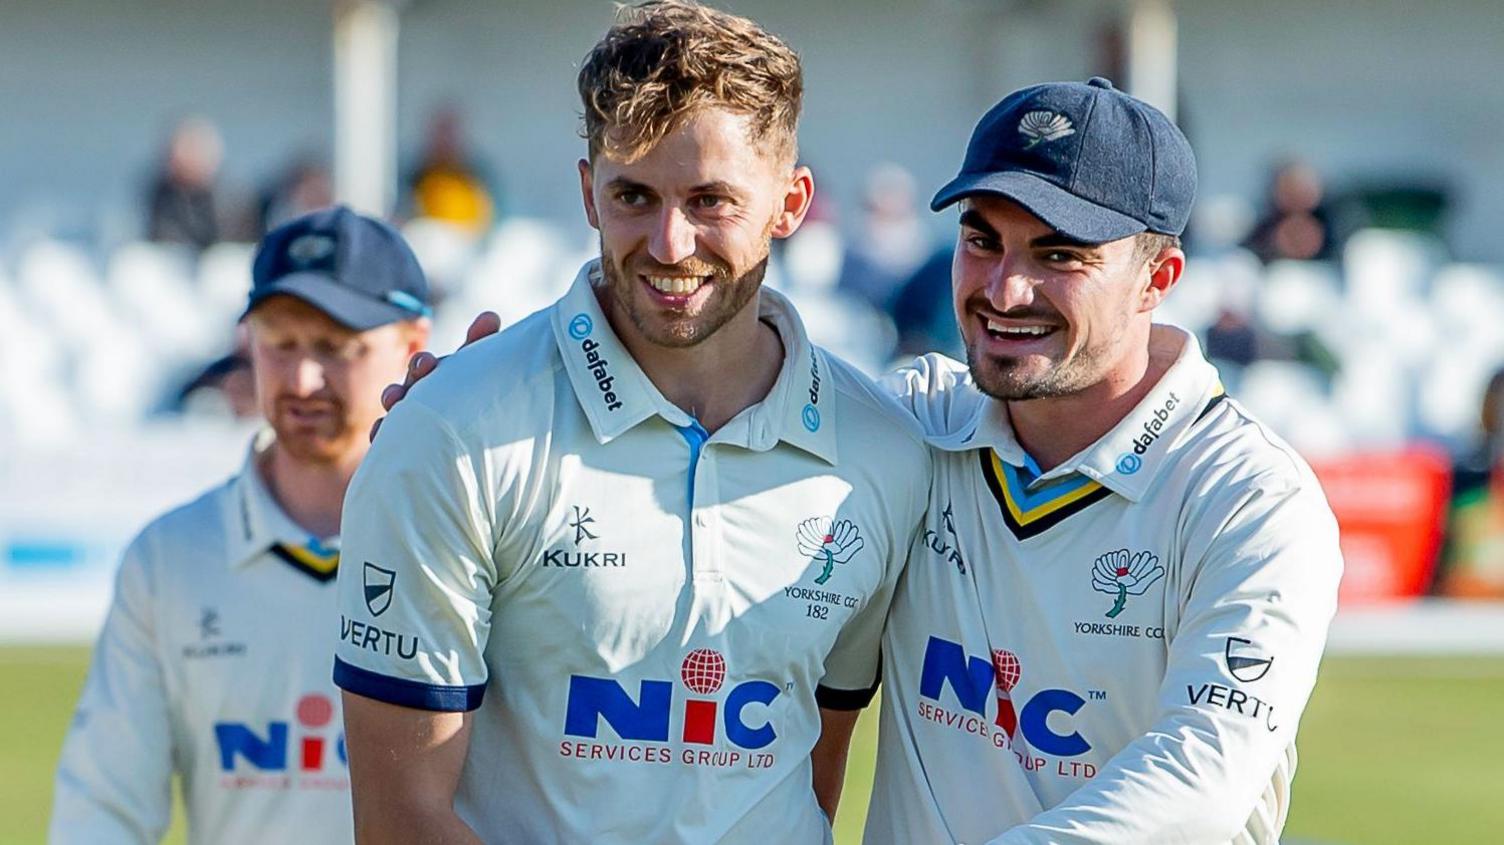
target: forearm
<point>828,759</point>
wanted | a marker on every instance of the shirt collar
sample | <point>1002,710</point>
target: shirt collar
<point>800,409</point>
<point>1129,457</point>
<point>254,522</point>
<point>616,394</point>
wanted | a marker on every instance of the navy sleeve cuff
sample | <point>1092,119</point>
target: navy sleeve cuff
<point>404,693</point>
<point>844,699</point>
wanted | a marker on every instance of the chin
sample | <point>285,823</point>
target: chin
<point>1013,381</point>
<point>316,448</point>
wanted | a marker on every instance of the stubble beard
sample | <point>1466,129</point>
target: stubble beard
<point>728,297</point>
<point>1006,379</point>
<point>327,444</point>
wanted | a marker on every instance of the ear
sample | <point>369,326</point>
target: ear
<point>1165,270</point>
<point>417,335</point>
<point>587,193</point>
<point>796,201</point>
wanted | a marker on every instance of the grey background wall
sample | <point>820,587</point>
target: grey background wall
<point>1364,89</point>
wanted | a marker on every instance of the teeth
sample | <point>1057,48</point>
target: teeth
<point>676,285</point>
<point>1021,331</point>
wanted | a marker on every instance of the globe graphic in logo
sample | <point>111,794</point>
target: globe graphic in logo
<point>315,711</point>
<point>704,671</point>
<point>1006,667</point>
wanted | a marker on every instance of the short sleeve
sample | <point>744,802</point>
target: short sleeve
<point>416,570</point>
<point>853,666</point>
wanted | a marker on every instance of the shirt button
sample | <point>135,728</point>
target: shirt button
<point>700,520</point>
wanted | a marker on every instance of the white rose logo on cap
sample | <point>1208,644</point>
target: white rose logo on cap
<point>1041,126</point>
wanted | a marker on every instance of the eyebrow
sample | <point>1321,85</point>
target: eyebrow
<point>1055,239</point>
<point>973,219</point>
<point>622,183</point>
<point>719,186</point>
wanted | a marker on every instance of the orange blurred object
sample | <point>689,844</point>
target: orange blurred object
<point>1391,508</point>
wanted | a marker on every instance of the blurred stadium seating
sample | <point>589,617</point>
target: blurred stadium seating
<point>97,339</point>
<point>95,345</point>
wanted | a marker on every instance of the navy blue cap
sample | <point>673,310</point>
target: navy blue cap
<point>356,269</point>
<point>1092,162</point>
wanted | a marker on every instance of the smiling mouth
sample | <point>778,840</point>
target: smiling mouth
<point>1017,331</point>
<point>676,286</point>
<point>307,414</point>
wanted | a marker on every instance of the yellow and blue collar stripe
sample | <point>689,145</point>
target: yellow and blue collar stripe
<point>313,559</point>
<point>1029,514</point>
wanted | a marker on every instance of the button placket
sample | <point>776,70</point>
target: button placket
<point>705,526</point>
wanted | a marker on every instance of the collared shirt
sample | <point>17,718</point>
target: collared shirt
<point>1114,651</point>
<point>646,617</point>
<point>213,663</point>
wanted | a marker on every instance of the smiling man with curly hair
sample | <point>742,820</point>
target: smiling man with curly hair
<point>623,568</point>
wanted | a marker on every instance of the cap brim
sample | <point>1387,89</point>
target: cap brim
<point>1066,213</point>
<point>349,308</point>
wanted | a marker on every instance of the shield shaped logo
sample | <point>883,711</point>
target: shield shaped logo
<point>378,583</point>
<point>1244,661</point>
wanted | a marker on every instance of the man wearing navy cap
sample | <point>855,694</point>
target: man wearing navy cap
<point>1114,618</point>
<point>213,663</point>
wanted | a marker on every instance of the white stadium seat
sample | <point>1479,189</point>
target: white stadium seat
<point>153,284</point>
<point>1298,296</point>
<point>224,279</point>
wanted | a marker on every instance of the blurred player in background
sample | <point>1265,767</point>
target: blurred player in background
<point>214,660</point>
<point>623,568</point>
<point>1115,618</point>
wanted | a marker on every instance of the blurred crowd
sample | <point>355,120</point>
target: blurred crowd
<point>1336,316</point>
<point>187,205</point>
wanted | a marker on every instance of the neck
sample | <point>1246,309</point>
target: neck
<point>718,378</point>
<point>311,494</point>
<point>1054,429</point>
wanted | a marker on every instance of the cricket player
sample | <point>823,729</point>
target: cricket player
<point>1113,620</point>
<point>213,663</point>
<point>619,573</point>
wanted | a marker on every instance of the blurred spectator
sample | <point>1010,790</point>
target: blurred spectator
<point>304,186</point>
<point>1232,341</point>
<point>448,184</point>
<point>922,309</point>
<point>225,388</point>
<point>1475,465</point>
<point>181,206</point>
<point>1296,223</point>
<point>1473,563</point>
<point>892,240</point>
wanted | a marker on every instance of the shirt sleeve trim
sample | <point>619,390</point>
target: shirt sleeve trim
<point>404,693</point>
<point>844,699</point>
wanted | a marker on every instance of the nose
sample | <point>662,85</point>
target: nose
<point>1009,288</point>
<point>306,376</point>
<point>673,238</point>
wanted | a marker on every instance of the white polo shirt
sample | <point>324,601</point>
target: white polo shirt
<point>643,618</point>
<point>214,663</point>
<point>1115,651</point>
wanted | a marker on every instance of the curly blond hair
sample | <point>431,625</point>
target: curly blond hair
<point>664,60</point>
